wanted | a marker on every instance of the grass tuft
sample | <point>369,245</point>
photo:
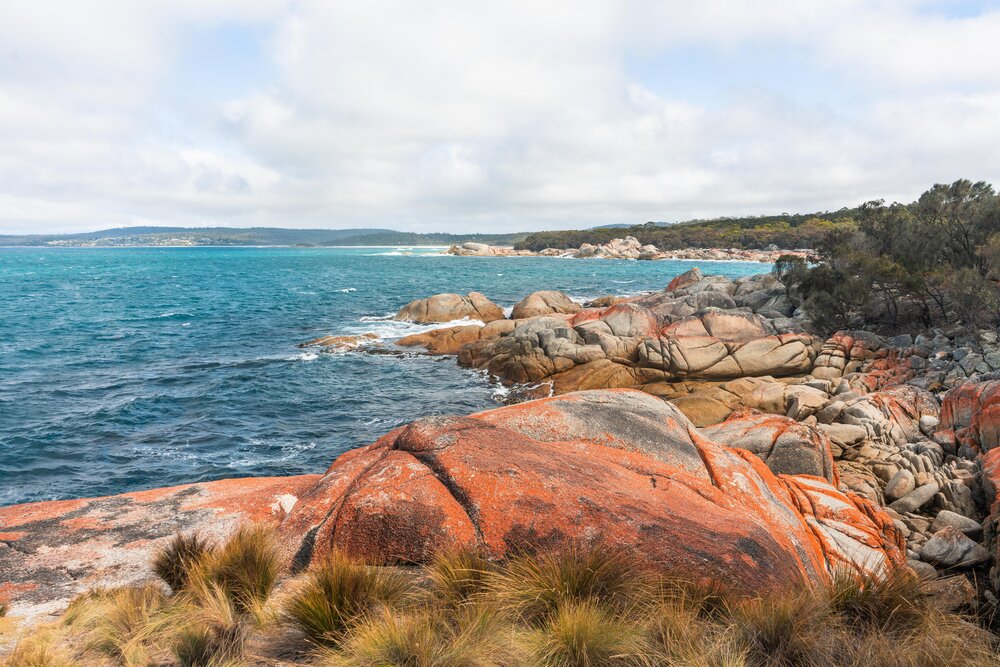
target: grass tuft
<point>583,634</point>
<point>338,591</point>
<point>176,562</point>
<point>534,587</point>
<point>782,631</point>
<point>39,650</point>
<point>419,639</point>
<point>245,568</point>
<point>457,577</point>
<point>895,602</point>
<point>122,623</point>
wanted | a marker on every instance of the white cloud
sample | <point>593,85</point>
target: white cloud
<point>455,116</point>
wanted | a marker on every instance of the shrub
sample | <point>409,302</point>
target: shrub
<point>175,562</point>
<point>245,568</point>
<point>533,587</point>
<point>583,634</point>
<point>337,592</point>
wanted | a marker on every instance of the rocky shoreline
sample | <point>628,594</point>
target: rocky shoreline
<point>705,426</point>
<point>629,248</point>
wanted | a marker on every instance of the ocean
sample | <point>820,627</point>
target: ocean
<point>130,368</point>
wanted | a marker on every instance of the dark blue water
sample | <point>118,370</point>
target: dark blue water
<point>124,369</point>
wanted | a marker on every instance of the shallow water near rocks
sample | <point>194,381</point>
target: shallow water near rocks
<point>130,368</point>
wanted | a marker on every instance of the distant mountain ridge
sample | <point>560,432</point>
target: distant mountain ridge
<point>250,236</point>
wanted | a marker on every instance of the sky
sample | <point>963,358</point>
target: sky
<point>468,116</point>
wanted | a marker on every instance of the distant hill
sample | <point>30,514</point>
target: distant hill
<point>253,236</point>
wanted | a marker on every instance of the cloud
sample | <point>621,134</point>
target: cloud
<point>459,116</point>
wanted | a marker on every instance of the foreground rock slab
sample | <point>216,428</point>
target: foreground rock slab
<point>52,551</point>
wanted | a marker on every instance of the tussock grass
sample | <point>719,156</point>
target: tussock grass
<point>581,633</point>
<point>571,608</point>
<point>39,650</point>
<point>246,568</point>
<point>458,577</point>
<point>122,623</point>
<point>176,562</point>
<point>339,590</point>
<point>782,631</point>
<point>534,587</point>
<point>896,602</point>
<point>422,638</point>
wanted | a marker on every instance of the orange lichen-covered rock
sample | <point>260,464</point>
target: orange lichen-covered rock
<point>52,551</point>
<point>450,340</point>
<point>970,412</point>
<point>843,353</point>
<point>686,279</point>
<point>785,445</point>
<point>618,467</point>
<point>449,307</point>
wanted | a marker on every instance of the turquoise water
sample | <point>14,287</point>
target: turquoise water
<point>125,369</point>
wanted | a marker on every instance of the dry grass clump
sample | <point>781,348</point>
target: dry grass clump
<point>176,562</point>
<point>571,608</point>
<point>782,631</point>
<point>423,638</point>
<point>41,649</point>
<point>582,633</point>
<point>337,591</point>
<point>534,587</point>
<point>458,577</point>
<point>246,568</point>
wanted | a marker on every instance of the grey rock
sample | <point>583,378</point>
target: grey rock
<point>962,524</point>
<point>924,570</point>
<point>901,485</point>
<point>950,548</point>
<point>902,340</point>
<point>916,498</point>
<point>928,424</point>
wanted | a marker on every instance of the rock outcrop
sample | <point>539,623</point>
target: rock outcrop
<point>451,307</point>
<point>785,445</point>
<point>51,552</point>
<point>547,302</point>
<point>617,467</point>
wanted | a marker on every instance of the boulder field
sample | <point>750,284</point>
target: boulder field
<point>613,467</point>
<point>907,422</point>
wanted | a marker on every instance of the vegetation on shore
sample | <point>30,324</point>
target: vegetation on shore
<point>936,261</point>
<point>574,607</point>
<point>750,232</point>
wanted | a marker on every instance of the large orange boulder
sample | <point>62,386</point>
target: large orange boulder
<point>618,467</point>
<point>450,307</point>
<point>970,415</point>
<point>545,302</point>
